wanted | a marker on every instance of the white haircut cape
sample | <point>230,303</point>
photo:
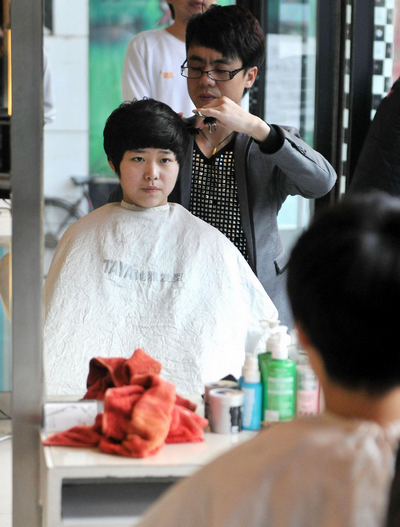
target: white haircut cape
<point>125,277</point>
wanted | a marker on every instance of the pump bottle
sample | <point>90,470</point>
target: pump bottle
<point>308,390</point>
<point>264,358</point>
<point>281,380</point>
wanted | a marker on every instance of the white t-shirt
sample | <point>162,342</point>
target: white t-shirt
<point>311,472</point>
<point>125,277</point>
<point>48,91</point>
<point>152,68</point>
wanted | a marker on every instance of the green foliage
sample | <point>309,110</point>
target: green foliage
<point>112,24</point>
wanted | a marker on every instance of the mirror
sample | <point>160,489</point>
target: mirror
<point>5,216</point>
<point>85,55</point>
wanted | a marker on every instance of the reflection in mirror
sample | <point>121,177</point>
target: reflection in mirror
<point>72,47</point>
<point>93,40</point>
<point>290,93</point>
<point>147,274</point>
<point>5,96</point>
<point>5,209</point>
<point>5,307</point>
<point>5,62</point>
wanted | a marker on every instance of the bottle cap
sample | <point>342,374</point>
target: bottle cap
<point>218,384</point>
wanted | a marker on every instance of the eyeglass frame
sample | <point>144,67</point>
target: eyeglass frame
<point>232,73</point>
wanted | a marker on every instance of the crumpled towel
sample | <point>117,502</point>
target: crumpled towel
<point>141,410</point>
<point>107,372</point>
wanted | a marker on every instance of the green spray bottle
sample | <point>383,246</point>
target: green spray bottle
<point>281,380</point>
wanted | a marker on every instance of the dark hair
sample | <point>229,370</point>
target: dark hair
<point>144,124</point>
<point>231,30</point>
<point>344,288</point>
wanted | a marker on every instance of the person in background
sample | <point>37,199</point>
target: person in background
<point>334,469</point>
<point>378,167</point>
<point>49,108</point>
<point>153,59</point>
<point>145,273</point>
<point>49,114</point>
<point>239,170</point>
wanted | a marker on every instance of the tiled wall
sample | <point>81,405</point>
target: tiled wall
<point>66,139</point>
<point>383,51</point>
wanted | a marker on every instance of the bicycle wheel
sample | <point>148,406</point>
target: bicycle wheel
<point>58,216</point>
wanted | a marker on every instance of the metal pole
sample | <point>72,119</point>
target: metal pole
<point>27,243</point>
<point>329,99</point>
<point>361,80</point>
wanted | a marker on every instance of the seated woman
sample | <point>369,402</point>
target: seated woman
<point>146,273</point>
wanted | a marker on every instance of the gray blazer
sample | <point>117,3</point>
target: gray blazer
<point>264,181</point>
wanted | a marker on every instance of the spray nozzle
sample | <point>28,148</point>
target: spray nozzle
<point>270,323</point>
<point>280,343</point>
<point>251,372</point>
<point>267,324</point>
<point>274,336</point>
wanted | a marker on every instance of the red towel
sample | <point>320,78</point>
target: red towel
<point>141,410</point>
<point>186,426</point>
<point>109,372</point>
<point>78,435</point>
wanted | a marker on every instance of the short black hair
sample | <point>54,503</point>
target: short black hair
<point>146,123</point>
<point>344,288</point>
<point>231,30</point>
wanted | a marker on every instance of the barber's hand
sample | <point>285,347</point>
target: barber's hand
<point>233,117</point>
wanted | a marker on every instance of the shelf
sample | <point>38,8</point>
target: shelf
<point>86,488</point>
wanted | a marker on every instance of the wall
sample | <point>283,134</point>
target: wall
<point>66,139</point>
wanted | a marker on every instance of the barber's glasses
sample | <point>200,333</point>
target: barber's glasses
<point>191,72</point>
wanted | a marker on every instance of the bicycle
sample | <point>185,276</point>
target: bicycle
<point>59,214</point>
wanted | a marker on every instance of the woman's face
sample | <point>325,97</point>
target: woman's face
<point>148,176</point>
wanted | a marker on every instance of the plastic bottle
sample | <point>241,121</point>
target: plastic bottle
<point>307,390</point>
<point>226,409</point>
<point>281,380</point>
<point>294,346</point>
<point>264,358</point>
<point>246,364</point>
<point>252,389</point>
<point>211,385</point>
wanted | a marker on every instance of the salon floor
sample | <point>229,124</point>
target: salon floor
<point>6,474</point>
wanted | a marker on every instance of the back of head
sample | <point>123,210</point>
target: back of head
<point>231,30</point>
<point>144,124</point>
<point>344,287</point>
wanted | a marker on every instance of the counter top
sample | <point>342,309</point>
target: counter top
<point>86,488</point>
<point>177,460</point>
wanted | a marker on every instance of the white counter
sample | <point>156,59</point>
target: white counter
<point>83,487</point>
